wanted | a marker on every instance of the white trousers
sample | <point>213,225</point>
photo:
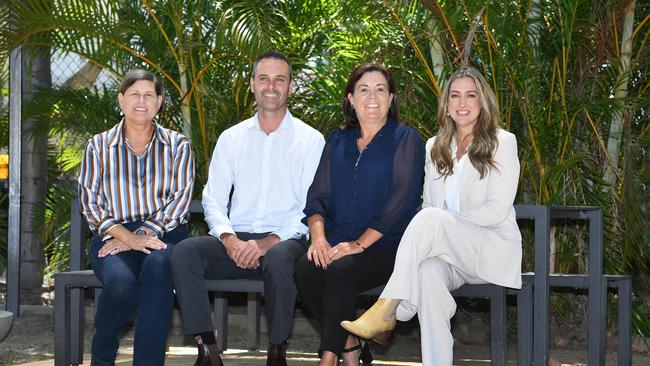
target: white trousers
<point>438,254</point>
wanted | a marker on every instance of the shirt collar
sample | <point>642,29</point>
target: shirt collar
<point>453,145</point>
<point>390,124</point>
<point>116,134</point>
<point>285,125</point>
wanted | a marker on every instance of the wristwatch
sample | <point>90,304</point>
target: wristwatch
<point>140,232</point>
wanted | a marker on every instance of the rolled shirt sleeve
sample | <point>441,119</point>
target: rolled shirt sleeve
<point>91,201</point>
<point>116,185</point>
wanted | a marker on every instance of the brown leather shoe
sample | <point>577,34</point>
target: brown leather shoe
<point>208,354</point>
<point>277,354</point>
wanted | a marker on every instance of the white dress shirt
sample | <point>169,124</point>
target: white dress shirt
<point>269,176</point>
<point>452,188</point>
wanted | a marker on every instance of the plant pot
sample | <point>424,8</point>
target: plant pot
<point>6,319</point>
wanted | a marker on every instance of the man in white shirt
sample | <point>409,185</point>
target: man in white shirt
<point>267,163</point>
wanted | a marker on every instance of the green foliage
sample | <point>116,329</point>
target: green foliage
<point>554,66</point>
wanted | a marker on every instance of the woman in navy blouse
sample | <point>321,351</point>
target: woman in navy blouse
<point>366,190</point>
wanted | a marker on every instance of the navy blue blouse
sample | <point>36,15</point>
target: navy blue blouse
<point>379,188</point>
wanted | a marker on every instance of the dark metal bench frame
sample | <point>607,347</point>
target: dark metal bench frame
<point>532,306</point>
<point>536,350</point>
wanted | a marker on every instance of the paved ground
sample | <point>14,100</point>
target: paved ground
<point>31,340</point>
<point>185,356</point>
<point>469,355</point>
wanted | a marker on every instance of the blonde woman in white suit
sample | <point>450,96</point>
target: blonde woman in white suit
<point>466,231</point>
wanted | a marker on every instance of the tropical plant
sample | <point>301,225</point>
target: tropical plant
<point>566,85</point>
<point>203,50</point>
<point>558,69</point>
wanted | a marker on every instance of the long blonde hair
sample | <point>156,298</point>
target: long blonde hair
<point>484,143</point>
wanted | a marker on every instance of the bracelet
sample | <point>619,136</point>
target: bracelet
<point>359,244</point>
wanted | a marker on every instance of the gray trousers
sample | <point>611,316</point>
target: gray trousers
<point>202,258</point>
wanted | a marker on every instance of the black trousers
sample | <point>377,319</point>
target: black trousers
<point>204,257</point>
<point>331,294</point>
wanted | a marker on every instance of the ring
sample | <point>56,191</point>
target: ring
<point>336,250</point>
<point>114,248</point>
<point>313,252</point>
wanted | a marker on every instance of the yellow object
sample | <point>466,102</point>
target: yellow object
<point>4,166</point>
<point>376,323</point>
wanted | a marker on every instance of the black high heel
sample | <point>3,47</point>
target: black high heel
<point>365,356</point>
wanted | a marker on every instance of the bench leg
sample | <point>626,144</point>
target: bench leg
<point>77,325</point>
<point>253,321</point>
<point>625,321</point>
<point>220,319</point>
<point>498,329</point>
<point>61,325</point>
<point>525,323</point>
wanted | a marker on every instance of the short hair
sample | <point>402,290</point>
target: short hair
<point>136,75</point>
<point>277,55</point>
<point>351,119</point>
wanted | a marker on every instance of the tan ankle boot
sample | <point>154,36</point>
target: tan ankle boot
<point>376,323</point>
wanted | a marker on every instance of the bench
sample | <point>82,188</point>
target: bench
<point>69,301</point>
<point>533,327</point>
<point>532,299</point>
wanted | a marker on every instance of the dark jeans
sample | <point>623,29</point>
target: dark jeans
<point>134,280</point>
<point>331,294</point>
<point>204,257</point>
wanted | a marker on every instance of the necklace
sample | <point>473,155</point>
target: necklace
<point>362,147</point>
<point>364,141</point>
<point>462,146</point>
<point>362,144</point>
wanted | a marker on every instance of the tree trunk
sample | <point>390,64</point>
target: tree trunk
<point>36,74</point>
<point>436,50</point>
<point>535,25</point>
<point>185,103</point>
<point>85,78</point>
<point>615,127</point>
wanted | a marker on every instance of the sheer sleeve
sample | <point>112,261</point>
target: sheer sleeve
<point>321,188</point>
<point>408,172</point>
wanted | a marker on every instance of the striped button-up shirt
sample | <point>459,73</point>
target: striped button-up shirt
<point>116,185</point>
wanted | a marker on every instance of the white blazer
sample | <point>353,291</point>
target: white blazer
<point>488,203</point>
